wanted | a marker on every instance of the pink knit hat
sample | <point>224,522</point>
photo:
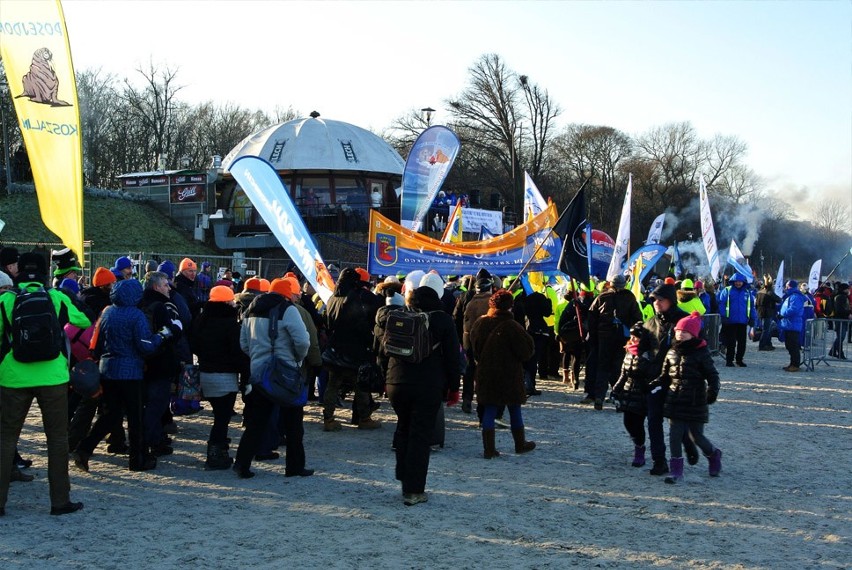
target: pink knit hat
<point>690,324</point>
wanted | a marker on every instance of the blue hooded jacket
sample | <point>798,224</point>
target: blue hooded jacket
<point>792,311</point>
<point>736,305</point>
<point>124,334</point>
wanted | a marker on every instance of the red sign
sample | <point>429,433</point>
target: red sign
<point>187,193</point>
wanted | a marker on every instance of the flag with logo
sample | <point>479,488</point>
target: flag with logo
<point>813,276</point>
<point>534,203</point>
<point>622,240</point>
<point>707,232</point>
<point>737,260</point>
<point>453,231</point>
<point>36,54</point>
<point>656,231</point>
<point>575,233</point>
<point>676,267</point>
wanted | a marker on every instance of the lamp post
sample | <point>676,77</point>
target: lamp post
<point>761,264</point>
<point>428,111</point>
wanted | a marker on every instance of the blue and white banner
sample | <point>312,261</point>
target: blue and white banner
<point>813,276</point>
<point>779,281</point>
<point>677,264</point>
<point>708,234</point>
<point>737,260</point>
<point>485,233</point>
<point>651,255</point>
<point>534,203</point>
<point>656,231</point>
<point>474,218</point>
<point>271,199</point>
<point>622,240</point>
<point>428,163</point>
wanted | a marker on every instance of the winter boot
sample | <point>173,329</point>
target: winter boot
<point>143,461</point>
<point>660,467</point>
<point>638,456</point>
<point>715,459</point>
<point>677,470</point>
<point>521,444</point>
<point>488,444</point>
<point>217,457</point>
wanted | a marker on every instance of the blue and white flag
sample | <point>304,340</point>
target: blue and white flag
<point>656,231</point>
<point>429,161</point>
<point>779,281</point>
<point>676,267</point>
<point>485,233</point>
<point>708,234</point>
<point>737,260</point>
<point>271,199</point>
<point>622,240</point>
<point>813,276</point>
<point>534,203</point>
<point>650,255</point>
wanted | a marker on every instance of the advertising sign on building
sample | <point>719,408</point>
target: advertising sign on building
<point>186,193</point>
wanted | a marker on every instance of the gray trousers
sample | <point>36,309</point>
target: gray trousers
<point>679,428</point>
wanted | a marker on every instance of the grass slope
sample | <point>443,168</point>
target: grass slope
<point>111,224</point>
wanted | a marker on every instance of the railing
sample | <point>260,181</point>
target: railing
<point>825,340</point>
<point>318,219</point>
<point>711,325</point>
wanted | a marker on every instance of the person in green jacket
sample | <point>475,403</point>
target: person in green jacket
<point>45,381</point>
<point>688,300</point>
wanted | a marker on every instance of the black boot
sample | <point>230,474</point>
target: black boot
<point>661,467</point>
<point>142,461</point>
<point>521,443</point>
<point>217,457</point>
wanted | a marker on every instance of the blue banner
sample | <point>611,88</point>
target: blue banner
<point>428,163</point>
<point>485,233</point>
<point>651,255</point>
<point>271,199</point>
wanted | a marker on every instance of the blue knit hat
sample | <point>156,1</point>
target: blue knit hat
<point>70,285</point>
<point>793,284</point>
<point>123,263</point>
<point>168,268</point>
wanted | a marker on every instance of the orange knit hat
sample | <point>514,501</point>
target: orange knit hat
<point>252,283</point>
<point>280,286</point>
<point>264,285</point>
<point>187,263</point>
<point>295,288</point>
<point>363,274</point>
<point>103,276</point>
<point>221,294</point>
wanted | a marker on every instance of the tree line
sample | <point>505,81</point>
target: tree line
<point>507,123</point>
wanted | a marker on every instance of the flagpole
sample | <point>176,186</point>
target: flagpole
<point>556,223</point>
<point>838,265</point>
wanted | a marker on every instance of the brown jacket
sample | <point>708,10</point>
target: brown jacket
<point>500,346</point>
<point>476,307</point>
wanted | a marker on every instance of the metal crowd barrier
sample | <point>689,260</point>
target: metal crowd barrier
<point>825,339</point>
<point>712,324</point>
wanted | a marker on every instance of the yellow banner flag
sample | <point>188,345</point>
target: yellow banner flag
<point>636,283</point>
<point>37,58</point>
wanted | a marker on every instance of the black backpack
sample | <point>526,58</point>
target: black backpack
<point>407,337</point>
<point>37,335</point>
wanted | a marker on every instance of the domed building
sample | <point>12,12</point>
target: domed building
<point>335,172</point>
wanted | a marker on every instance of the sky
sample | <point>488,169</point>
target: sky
<point>778,75</point>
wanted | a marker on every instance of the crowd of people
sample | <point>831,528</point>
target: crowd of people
<point>478,339</point>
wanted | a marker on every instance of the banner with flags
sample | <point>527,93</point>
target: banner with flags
<point>656,231</point>
<point>534,203</point>
<point>813,276</point>
<point>37,57</point>
<point>707,232</point>
<point>393,248</point>
<point>428,163</point>
<point>737,260</point>
<point>779,281</point>
<point>622,240</point>
<point>453,231</point>
<point>575,235</point>
<point>271,200</point>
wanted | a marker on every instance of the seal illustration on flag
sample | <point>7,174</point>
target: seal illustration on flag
<point>386,249</point>
<point>41,85</point>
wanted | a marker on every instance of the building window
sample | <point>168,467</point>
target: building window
<point>312,195</point>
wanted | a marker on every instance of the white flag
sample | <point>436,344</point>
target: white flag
<point>534,203</point>
<point>656,230</point>
<point>738,261</point>
<point>779,280</point>
<point>707,231</point>
<point>622,241</point>
<point>813,278</point>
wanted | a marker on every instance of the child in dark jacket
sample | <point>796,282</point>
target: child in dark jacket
<point>631,388</point>
<point>692,384</point>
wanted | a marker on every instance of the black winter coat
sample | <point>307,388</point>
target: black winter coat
<point>609,305</point>
<point>216,339</point>
<point>538,307</point>
<point>661,328</point>
<point>350,319</point>
<point>160,311</point>
<point>690,380</point>
<point>631,388</point>
<point>96,298</point>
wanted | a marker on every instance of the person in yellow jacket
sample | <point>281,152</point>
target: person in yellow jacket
<point>688,300</point>
<point>45,381</point>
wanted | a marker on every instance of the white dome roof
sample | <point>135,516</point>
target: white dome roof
<point>319,144</point>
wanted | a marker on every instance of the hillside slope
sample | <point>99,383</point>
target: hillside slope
<point>111,224</point>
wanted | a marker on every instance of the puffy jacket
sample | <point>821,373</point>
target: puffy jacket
<point>688,301</point>
<point>661,328</point>
<point>124,336</point>
<point>475,308</point>
<point>215,339</point>
<point>14,374</point>
<point>293,340</point>
<point>736,304</point>
<point>612,304</point>
<point>766,303</point>
<point>350,319</point>
<point>190,291</point>
<point>689,378</point>
<point>161,312</point>
<point>538,308</point>
<point>792,311</point>
<point>96,298</point>
<point>637,371</point>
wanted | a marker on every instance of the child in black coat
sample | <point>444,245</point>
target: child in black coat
<point>631,388</point>
<point>692,384</point>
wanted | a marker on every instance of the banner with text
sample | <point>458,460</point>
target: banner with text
<point>428,163</point>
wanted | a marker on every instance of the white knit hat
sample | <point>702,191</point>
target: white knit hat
<point>434,282</point>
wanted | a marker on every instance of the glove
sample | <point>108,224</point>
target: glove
<point>178,324</point>
<point>656,389</point>
<point>453,398</point>
<point>165,332</point>
<point>711,397</point>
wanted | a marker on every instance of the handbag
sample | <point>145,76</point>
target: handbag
<point>370,378</point>
<point>334,359</point>
<point>277,379</point>
<point>189,384</point>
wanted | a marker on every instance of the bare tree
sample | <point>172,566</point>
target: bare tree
<point>541,114</point>
<point>832,216</point>
<point>739,183</point>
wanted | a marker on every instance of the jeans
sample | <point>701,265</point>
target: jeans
<point>766,335</point>
<point>53,402</point>
<point>490,414</point>
<point>416,407</point>
<point>257,413</point>
<point>680,430</point>
<point>156,403</point>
